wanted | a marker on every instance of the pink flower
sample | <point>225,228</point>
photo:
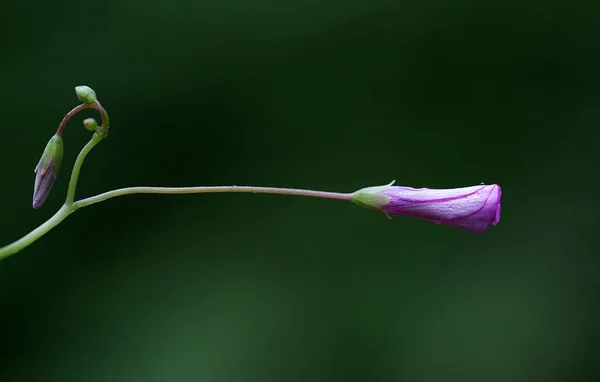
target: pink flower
<point>471,209</point>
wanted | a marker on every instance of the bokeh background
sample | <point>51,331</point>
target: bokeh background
<point>332,95</point>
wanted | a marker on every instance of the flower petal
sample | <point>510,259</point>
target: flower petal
<point>472,209</point>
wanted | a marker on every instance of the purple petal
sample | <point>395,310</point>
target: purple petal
<point>44,179</point>
<point>471,209</point>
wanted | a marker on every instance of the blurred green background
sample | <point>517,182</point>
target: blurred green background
<point>331,95</point>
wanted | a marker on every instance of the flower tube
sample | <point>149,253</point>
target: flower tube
<point>471,209</point>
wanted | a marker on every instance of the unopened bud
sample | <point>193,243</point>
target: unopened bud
<point>47,170</point>
<point>472,209</point>
<point>90,124</point>
<point>85,94</point>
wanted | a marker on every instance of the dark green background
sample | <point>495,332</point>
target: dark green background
<point>327,94</point>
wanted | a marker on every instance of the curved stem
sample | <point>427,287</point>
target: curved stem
<point>103,114</point>
<point>102,129</point>
<point>69,115</point>
<point>69,208</point>
<point>210,189</point>
<point>96,105</point>
<point>40,231</point>
<point>97,137</point>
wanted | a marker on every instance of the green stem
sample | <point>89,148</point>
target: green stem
<point>97,137</point>
<point>211,189</point>
<point>40,231</point>
<point>68,209</point>
<point>70,206</point>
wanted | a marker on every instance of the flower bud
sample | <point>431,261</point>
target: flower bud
<point>90,124</point>
<point>47,170</point>
<point>472,209</point>
<point>85,94</point>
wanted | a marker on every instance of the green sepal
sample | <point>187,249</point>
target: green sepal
<point>52,152</point>
<point>372,197</point>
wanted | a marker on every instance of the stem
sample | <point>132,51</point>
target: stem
<point>97,137</point>
<point>40,231</point>
<point>210,189</point>
<point>103,115</point>
<point>69,115</point>
<point>70,207</point>
<point>67,209</point>
<point>96,105</point>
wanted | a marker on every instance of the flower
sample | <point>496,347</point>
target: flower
<point>47,170</point>
<point>472,209</point>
